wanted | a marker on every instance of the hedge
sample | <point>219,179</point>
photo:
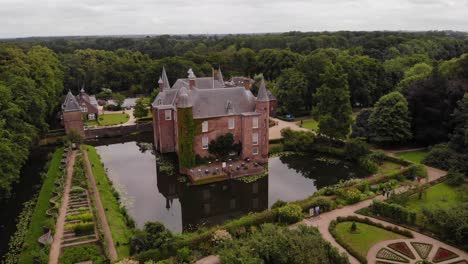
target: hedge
<point>394,211</point>
<point>354,253</point>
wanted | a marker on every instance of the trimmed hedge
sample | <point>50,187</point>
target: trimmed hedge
<point>393,211</point>
<point>354,253</point>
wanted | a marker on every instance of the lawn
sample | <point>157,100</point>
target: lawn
<point>388,167</point>
<point>365,238</point>
<point>309,124</point>
<point>413,156</point>
<point>120,232</point>
<point>39,219</point>
<point>438,196</point>
<point>109,120</point>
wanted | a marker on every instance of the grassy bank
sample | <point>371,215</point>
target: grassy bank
<point>414,156</point>
<point>121,233</point>
<point>39,219</point>
<point>109,120</point>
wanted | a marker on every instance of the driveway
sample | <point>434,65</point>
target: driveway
<point>275,131</point>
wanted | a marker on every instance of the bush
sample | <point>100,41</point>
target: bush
<point>220,236</point>
<point>290,214</point>
<point>77,254</point>
<point>184,256</point>
<point>301,141</point>
<point>277,148</point>
<point>82,217</point>
<point>416,170</point>
<point>80,228</point>
<point>356,149</point>
<point>152,254</point>
<point>455,178</point>
<point>278,204</point>
<point>351,196</point>
<point>368,165</point>
<point>393,211</point>
<point>378,156</point>
<point>443,157</point>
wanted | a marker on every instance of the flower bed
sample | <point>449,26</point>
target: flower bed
<point>389,255</point>
<point>443,254</point>
<point>402,248</point>
<point>422,249</point>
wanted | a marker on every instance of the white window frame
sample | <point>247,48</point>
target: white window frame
<point>232,123</point>
<point>92,116</point>
<point>255,122</point>
<point>204,126</point>
<point>168,114</point>
<point>84,109</point>
<point>255,138</point>
<point>204,142</point>
<point>255,151</point>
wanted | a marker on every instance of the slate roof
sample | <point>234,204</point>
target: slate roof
<point>262,92</point>
<point>200,83</point>
<point>70,104</point>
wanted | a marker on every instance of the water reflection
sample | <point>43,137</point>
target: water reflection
<point>153,196</point>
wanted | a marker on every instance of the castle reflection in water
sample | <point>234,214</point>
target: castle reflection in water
<point>212,204</point>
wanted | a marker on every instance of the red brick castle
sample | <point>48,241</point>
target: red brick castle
<point>195,111</point>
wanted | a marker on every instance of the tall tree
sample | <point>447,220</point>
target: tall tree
<point>333,107</point>
<point>290,88</point>
<point>390,120</point>
<point>459,137</point>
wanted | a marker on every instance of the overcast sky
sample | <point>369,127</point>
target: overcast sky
<point>22,18</point>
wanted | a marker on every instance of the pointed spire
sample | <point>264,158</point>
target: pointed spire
<point>160,81</point>
<point>164,79</point>
<point>82,88</point>
<point>262,92</point>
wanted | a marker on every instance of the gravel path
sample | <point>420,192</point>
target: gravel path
<point>275,131</point>
<point>55,248</point>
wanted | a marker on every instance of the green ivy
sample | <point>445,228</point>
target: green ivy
<point>186,132</point>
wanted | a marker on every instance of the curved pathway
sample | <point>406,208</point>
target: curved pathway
<point>100,209</point>
<point>275,131</point>
<point>54,253</point>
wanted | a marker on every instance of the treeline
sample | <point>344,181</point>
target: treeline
<point>374,61</point>
<point>31,84</point>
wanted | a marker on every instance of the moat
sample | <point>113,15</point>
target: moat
<point>153,196</point>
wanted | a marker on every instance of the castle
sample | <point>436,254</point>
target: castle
<point>195,111</point>
<point>77,109</point>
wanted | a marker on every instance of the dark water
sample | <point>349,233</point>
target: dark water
<point>23,191</point>
<point>152,196</point>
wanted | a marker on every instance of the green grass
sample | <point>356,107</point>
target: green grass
<point>438,196</point>
<point>413,156</point>
<point>121,234</point>
<point>365,238</point>
<point>309,124</point>
<point>109,120</point>
<point>388,168</point>
<point>39,217</point>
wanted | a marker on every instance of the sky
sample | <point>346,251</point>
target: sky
<point>24,18</point>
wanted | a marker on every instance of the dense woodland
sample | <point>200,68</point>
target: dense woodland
<point>416,81</point>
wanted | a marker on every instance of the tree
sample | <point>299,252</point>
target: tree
<point>361,127</point>
<point>333,107</point>
<point>290,88</point>
<point>223,146</point>
<point>390,120</point>
<point>355,149</point>
<point>459,137</point>
<point>140,110</point>
<point>119,99</point>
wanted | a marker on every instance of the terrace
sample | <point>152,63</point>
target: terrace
<point>218,170</point>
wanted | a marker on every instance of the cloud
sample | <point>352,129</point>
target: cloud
<point>20,18</point>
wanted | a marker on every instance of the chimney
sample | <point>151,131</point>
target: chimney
<point>247,84</point>
<point>191,77</point>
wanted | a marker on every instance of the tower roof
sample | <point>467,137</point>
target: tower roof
<point>219,76</point>
<point>262,92</point>
<point>164,79</point>
<point>191,74</point>
<point>70,104</point>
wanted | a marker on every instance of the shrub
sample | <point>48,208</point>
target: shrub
<point>378,156</point>
<point>355,149</point>
<point>416,170</point>
<point>152,254</point>
<point>77,254</point>
<point>455,178</point>
<point>80,228</point>
<point>289,214</point>
<point>353,227</point>
<point>297,140</point>
<point>184,255</point>
<point>368,165</point>
<point>394,211</point>
<point>443,157</point>
<point>351,196</point>
<point>220,236</point>
<point>82,217</point>
<point>278,204</point>
<point>277,148</point>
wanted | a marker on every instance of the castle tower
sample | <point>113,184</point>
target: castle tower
<point>72,115</point>
<point>262,106</point>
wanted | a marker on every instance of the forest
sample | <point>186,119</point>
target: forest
<point>410,85</point>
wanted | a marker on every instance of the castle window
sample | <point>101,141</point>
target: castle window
<point>205,126</point>
<point>254,138</point>
<point>205,142</point>
<point>232,123</point>
<point>168,114</point>
<point>255,151</point>
<point>255,122</point>
<point>91,116</point>
<point>84,109</point>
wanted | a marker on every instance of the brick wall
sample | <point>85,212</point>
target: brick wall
<point>73,121</point>
<point>166,132</point>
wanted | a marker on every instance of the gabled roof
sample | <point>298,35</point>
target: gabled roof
<point>70,104</point>
<point>262,92</point>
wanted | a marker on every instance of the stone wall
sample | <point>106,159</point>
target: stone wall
<point>114,131</point>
